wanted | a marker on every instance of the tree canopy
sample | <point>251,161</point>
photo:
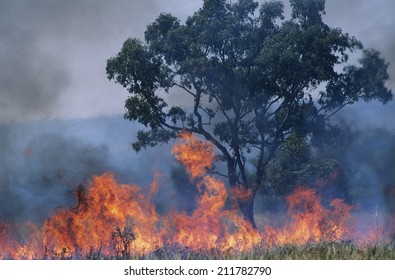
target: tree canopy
<point>247,79</point>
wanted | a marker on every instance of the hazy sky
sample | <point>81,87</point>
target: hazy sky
<point>53,52</point>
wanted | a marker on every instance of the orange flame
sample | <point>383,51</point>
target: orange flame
<point>242,193</point>
<point>209,226</point>
<point>196,155</point>
<point>116,220</point>
<point>106,206</point>
<point>311,221</point>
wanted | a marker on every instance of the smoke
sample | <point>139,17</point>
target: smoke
<point>369,153</point>
<point>370,160</point>
<point>53,55</point>
<point>37,51</point>
<point>42,176</point>
<point>372,23</point>
<point>31,79</point>
<point>44,163</point>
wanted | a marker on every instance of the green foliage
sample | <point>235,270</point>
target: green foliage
<point>307,11</point>
<point>365,83</point>
<point>245,64</point>
<point>283,171</point>
<point>295,164</point>
<point>151,138</point>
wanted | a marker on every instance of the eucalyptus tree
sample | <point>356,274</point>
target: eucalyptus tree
<point>246,78</point>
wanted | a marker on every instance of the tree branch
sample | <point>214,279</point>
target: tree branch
<point>218,173</point>
<point>222,109</point>
<point>201,129</point>
<point>184,88</point>
<point>337,110</point>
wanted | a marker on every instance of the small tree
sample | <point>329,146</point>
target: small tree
<point>122,240</point>
<point>247,79</point>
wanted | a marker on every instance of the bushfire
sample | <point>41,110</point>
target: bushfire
<point>110,219</point>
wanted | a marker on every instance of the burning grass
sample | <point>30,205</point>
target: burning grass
<point>119,221</point>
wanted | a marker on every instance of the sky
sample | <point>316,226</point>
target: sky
<point>58,110</point>
<point>53,53</point>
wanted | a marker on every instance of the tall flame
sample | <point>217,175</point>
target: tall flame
<point>209,226</point>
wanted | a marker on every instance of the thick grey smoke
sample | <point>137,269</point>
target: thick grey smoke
<point>53,54</point>
<point>42,173</point>
<point>38,41</point>
<point>31,78</point>
<point>44,163</point>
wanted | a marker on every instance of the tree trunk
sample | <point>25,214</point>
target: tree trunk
<point>247,208</point>
<point>246,204</point>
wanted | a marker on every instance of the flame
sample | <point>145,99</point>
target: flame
<point>7,246</point>
<point>242,193</point>
<point>210,226</point>
<point>311,221</point>
<point>111,219</point>
<point>106,206</point>
<point>197,156</point>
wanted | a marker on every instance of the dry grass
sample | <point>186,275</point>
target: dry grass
<point>314,251</point>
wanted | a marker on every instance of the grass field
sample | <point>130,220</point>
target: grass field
<point>314,251</point>
<point>318,251</point>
